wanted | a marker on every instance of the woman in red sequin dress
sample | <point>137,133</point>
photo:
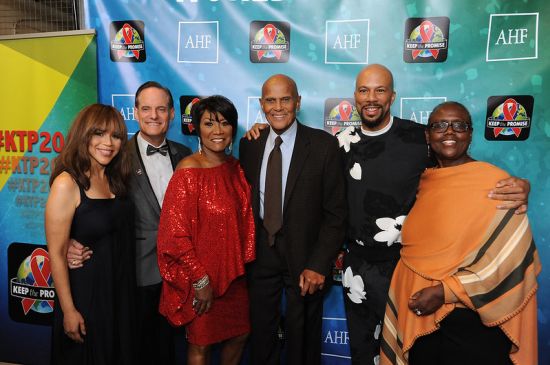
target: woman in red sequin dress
<point>205,238</point>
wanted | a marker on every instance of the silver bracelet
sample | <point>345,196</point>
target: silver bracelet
<point>201,283</point>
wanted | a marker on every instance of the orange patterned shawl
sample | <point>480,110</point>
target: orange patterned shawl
<point>485,258</point>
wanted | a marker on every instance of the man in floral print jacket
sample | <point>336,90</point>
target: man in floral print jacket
<point>384,159</point>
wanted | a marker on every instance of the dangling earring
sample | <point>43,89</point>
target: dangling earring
<point>429,150</point>
<point>229,148</point>
<point>200,146</point>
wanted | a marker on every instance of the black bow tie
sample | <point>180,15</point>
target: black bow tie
<point>163,150</point>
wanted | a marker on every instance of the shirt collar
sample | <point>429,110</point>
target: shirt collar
<point>288,135</point>
<point>379,132</point>
<point>142,143</point>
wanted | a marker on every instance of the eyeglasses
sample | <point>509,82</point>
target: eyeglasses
<point>458,126</point>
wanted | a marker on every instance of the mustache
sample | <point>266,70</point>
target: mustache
<point>368,105</point>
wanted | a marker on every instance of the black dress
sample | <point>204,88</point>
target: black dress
<point>103,289</point>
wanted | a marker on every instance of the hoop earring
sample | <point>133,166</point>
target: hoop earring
<point>229,149</point>
<point>200,146</point>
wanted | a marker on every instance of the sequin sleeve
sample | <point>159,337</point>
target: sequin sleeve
<point>178,224</point>
<point>247,224</point>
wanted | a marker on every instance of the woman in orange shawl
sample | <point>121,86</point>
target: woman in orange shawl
<point>464,289</point>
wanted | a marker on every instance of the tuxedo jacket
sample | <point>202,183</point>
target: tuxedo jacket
<point>314,208</point>
<point>147,211</point>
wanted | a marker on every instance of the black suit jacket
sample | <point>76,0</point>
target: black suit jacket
<point>314,209</point>
<point>147,211</point>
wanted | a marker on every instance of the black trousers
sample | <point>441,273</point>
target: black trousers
<point>462,339</point>
<point>155,336</point>
<point>365,312</point>
<point>268,278</point>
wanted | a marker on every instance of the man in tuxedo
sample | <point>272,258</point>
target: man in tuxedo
<point>300,210</point>
<point>153,159</point>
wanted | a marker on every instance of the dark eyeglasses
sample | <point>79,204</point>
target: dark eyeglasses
<point>458,126</point>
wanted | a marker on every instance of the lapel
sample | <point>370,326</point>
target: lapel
<point>299,157</point>
<point>176,155</point>
<point>140,178</point>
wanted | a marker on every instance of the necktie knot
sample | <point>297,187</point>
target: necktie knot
<point>278,141</point>
<point>163,150</point>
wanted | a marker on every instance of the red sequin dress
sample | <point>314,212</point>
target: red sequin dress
<point>207,227</point>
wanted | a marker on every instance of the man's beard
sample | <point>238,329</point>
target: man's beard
<point>372,124</point>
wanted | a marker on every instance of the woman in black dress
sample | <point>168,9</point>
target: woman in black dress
<point>93,309</point>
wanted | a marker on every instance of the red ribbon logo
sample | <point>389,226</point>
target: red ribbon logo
<point>41,276</point>
<point>190,126</point>
<point>509,110</point>
<point>427,30</point>
<point>344,109</point>
<point>270,32</point>
<point>128,34</point>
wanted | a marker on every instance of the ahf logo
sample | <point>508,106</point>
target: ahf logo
<point>347,41</point>
<point>512,37</point>
<point>198,42</point>
<point>419,108</point>
<point>124,103</point>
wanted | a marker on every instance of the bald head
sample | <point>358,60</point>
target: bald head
<point>281,80</point>
<point>374,96</point>
<point>280,102</point>
<point>376,69</point>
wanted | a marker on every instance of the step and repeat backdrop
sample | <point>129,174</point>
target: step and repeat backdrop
<point>490,55</point>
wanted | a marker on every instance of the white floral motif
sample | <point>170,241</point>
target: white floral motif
<point>356,287</point>
<point>376,360</point>
<point>360,243</point>
<point>347,136</point>
<point>391,229</point>
<point>356,171</point>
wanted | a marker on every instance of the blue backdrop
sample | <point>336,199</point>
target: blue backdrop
<point>483,53</point>
<point>491,55</point>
